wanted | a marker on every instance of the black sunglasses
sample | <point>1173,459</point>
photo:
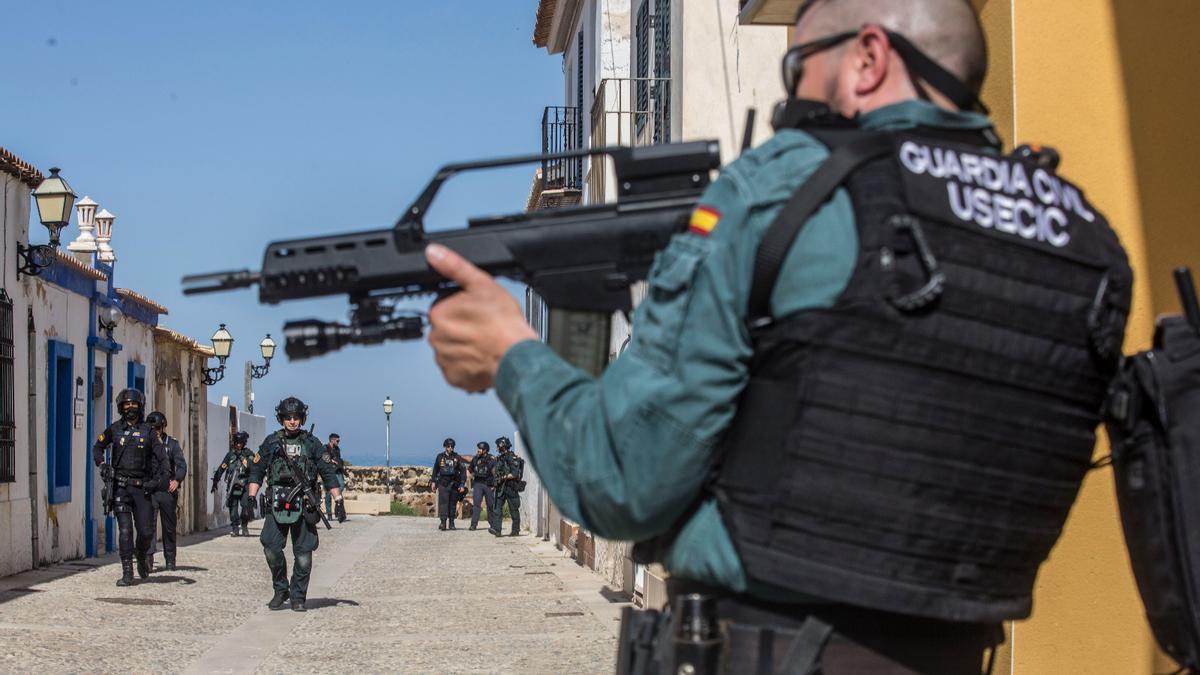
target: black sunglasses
<point>793,60</point>
<point>291,417</point>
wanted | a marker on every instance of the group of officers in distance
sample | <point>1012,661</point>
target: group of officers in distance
<point>144,466</point>
<point>496,481</point>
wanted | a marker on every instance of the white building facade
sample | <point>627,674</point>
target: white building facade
<point>638,72</point>
<point>69,342</point>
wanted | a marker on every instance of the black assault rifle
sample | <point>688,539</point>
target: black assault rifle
<point>580,258</point>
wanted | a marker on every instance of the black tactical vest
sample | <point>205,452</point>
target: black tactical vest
<point>132,449</point>
<point>916,447</point>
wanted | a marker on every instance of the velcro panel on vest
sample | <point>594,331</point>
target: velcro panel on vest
<point>923,460</point>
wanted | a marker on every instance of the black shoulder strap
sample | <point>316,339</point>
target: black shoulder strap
<point>857,149</point>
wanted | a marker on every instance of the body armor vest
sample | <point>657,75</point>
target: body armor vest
<point>132,449</point>
<point>481,469</point>
<point>917,446</point>
<point>447,467</point>
<point>286,493</point>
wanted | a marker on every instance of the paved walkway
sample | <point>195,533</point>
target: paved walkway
<point>388,594</point>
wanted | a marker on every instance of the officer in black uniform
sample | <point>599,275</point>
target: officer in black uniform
<point>138,466</point>
<point>166,498</point>
<point>289,461</point>
<point>450,477</point>
<point>482,481</point>
<point>509,470</point>
<point>236,468</point>
<point>863,387</point>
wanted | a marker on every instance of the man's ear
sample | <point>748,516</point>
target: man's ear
<point>872,58</point>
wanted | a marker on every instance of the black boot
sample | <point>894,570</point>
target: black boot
<point>277,601</point>
<point>143,564</point>
<point>442,526</point>
<point>170,562</point>
<point>494,532</point>
<point>245,529</point>
<point>234,528</point>
<point>126,573</point>
<point>452,524</point>
<point>298,606</point>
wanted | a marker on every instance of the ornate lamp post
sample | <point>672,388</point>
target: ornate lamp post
<point>108,317</point>
<point>222,344</point>
<point>387,411</point>
<point>267,348</point>
<point>54,200</point>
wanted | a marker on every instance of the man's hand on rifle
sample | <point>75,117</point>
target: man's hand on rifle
<point>471,330</point>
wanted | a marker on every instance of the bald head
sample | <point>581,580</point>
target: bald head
<point>948,31</point>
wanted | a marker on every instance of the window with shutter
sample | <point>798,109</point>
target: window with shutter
<point>642,67</point>
<point>662,71</point>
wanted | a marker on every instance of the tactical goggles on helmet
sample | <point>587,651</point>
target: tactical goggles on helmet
<point>918,63</point>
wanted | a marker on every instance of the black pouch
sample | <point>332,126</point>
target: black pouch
<point>1153,422</point>
<point>311,516</point>
<point>640,647</point>
<point>519,485</point>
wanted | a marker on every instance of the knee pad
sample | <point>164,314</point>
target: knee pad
<point>274,557</point>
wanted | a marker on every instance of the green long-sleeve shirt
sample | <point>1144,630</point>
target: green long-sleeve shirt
<point>627,453</point>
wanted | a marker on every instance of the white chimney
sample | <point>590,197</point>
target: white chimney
<point>104,225</point>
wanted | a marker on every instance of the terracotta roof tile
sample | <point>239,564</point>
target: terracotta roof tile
<point>140,299</point>
<point>541,26</point>
<point>168,335</point>
<point>73,262</point>
<point>19,168</point>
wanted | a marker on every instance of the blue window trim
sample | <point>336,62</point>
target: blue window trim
<point>56,352</point>
<point>136,376</point>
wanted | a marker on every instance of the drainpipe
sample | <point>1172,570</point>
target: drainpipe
<point>31,408</point>
<point>89,483</point>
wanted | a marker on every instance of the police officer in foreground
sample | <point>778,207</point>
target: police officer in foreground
<point>137,464</point>
<point>482,485</point>
<point>450,478</point>
<point>508,471</point>
<point>855,411</point>
<point>166,498</point>
<point>334,449</point>
<point>289,461</point>
<point>236,469</point>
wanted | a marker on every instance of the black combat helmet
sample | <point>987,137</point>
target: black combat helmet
<point>503,444</point>
<point>241,437</point>
<point>157,420</point>
<point>448,443</point>
<point>131,396</point>
<point>482,445</point>
<point>291,406</point>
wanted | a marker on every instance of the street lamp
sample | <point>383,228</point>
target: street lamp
<point>267,348</point>
<point>108,317</point>
<point>54,200</point>
<point>387,411</point>
<point>222,344</point>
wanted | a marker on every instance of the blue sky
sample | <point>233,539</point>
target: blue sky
<point>210,129</point>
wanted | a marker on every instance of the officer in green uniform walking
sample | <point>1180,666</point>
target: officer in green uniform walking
<point>236,469</point>
<point>508,472</point>
<point>861,395</point>
<point>289,461</point>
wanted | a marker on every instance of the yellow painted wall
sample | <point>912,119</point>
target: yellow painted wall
<point>1112,85</point>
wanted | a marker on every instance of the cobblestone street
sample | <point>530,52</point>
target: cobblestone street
<point>388,594</point>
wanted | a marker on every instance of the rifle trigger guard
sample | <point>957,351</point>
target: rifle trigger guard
<point>935,279</point>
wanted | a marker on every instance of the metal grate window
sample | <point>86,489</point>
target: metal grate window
<point>8,393</point>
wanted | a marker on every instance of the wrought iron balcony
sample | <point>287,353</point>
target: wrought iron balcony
<point>633,111</point>
<point>559,182</point>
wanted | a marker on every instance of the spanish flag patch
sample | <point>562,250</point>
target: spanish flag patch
<point>704,219</point>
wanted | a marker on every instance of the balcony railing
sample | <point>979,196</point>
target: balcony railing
<point>619,119</point>
<point>562,131</point>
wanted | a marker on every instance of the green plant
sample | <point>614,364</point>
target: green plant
<point>483,512</point>
<point>402,509</point>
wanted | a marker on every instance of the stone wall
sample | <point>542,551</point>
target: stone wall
<point>410,485</point>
